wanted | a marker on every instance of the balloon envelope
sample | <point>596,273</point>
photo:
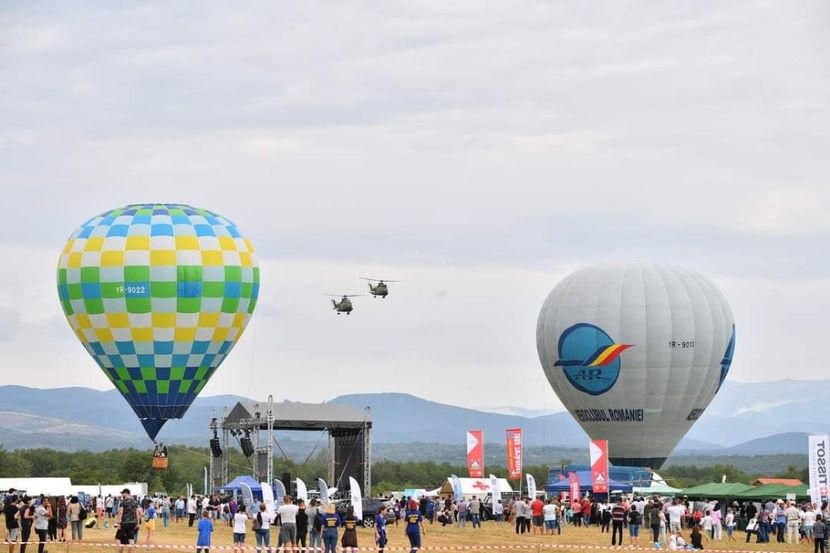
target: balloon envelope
<point>636,351</point>
<point>158,294</point>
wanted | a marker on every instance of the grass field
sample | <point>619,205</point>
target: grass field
<point>491,534</point>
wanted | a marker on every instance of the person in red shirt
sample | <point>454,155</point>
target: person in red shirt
<point>536,510</point>
<point>586,511</point>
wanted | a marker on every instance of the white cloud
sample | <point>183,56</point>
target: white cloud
<point>478,150</point>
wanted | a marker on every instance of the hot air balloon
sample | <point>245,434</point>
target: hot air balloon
<point>158,294</point>
<point>636,351</point>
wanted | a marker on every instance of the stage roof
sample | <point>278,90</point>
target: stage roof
<point>290,415</point>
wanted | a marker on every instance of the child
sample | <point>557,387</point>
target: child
<point>380,529</point>
<point>205,528</point>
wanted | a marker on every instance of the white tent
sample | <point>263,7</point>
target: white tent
<point>36,486</point>
<point>474,486</point>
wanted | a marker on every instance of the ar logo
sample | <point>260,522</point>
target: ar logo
<point>589,358</point>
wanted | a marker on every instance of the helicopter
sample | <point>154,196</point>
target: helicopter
<point>380,289</point>
<point>345,304</point>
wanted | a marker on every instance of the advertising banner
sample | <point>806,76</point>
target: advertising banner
<point>475,453</point>
<point>818,465</point>
<point>531,486</point>
<point>599,466</point>
<point>356,497</point>
<point>456,488</point>
<point>494,489</point>
<point>514,453</point>
<point>576,491</point>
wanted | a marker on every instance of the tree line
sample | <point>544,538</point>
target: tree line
<point>187,464</point>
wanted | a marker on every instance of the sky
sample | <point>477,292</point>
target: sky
<point>478,151</point>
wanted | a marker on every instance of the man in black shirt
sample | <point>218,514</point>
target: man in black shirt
<point>11,510</point>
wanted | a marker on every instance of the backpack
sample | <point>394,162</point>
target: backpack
<point>317,525</point>
<point>82,514</point>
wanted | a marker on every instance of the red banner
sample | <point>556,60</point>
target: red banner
<point>475,453</point>
<point>514,453</point>
<point>599,466</point>
<point>576,491</point>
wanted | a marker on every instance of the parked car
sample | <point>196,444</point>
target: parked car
<point>371,508</point>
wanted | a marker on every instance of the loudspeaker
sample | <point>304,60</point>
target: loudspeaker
<point>247,446</point>
<point>286,480</point>
<point>216,447</point>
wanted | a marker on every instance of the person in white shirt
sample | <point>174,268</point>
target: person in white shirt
<point>191,510</point>
<point>676,512</point>
<point>808,521</point>
<point>730,524</point>
<point>549,514</point>
<point>498,511</point>
<point>288,515</point>
<point>240,519</point>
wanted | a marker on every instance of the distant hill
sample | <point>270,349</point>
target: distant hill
<point>745,419</point>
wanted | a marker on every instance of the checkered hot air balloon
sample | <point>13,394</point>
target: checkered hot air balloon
<point>158,294</point>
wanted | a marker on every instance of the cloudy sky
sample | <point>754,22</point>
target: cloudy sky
<point>478,151</point>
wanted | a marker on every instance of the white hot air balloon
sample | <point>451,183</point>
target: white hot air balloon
<point>636,351</point>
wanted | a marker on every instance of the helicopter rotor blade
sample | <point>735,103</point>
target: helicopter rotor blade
<point>381,279</point>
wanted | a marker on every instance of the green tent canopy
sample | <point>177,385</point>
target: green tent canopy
<point>716,490</point>
<point>775,491</point>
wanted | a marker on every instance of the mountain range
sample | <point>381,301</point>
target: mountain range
<point>744,419</point>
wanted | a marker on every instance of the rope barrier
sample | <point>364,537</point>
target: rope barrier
<point>275,549</point>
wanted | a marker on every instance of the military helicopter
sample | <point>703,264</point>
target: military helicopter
<point>345,304</point>
<point>379,289</point>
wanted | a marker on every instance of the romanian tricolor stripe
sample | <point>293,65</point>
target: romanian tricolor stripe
<point>605,355</point>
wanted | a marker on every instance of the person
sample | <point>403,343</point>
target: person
<point>150,521</point>
<point>549,516</point>
<point>676,513</point>
<point>793,520</point>
<point>302,525</point>
<point>315,515</point>
<point>191,510</point>
<point>27,516</point>
<point>808,521</point>
<point>61,519</point>
<point>414,527</point>
<point>652,515</point>
<point>537,507</point>
<point>262,528</point>
<point>462,513</point>
<point>288,515</point>
<point>331,522</point>
<point>730,524</point>
<point>475,512</point>
<point>819,535</point>
<point>519,515</point>
<point>706,523</point>
<point>75,522</point>
<point>240,519</point>
<point>605,518</point>
<point>576,510</point>
<point>397,510</point>
<point>349,538</point>
<point>166,509</point>
<point>43,513</point>
<point>204,530</point>
<point>634,520</point>
<point>127,519</point>
<point>498,511</point>
<point>11,512</point>
<point>381,539</point>
<point>717,522</point>
<point>617,519</point>
<point>697,538</point>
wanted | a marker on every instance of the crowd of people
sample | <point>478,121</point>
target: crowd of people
<point>667,523</point>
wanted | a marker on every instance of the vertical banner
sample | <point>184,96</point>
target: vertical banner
<point>514,453</point>
<point>818,461</point>
<point>324,491</point>
<point>475,453</point>
<point>356,497</point>
<point>531,486</point>
<point>599,466</point>
<point>576,492</point>
<point>495,489</point>
<point>456,488</point>
<point>302,490</point>
<point>279,493</point>
<point>247,497</point>
<point>268,497</point>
